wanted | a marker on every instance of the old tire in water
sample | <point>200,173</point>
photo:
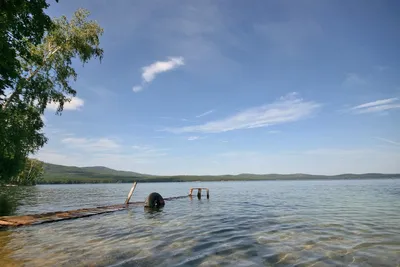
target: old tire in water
<point>154,200</point>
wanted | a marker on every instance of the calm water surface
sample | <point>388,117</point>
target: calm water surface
<point>274,223</point>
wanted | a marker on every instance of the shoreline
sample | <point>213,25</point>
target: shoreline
<point>172,180</point>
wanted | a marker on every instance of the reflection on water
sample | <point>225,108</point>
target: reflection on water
<point>7,206</point>
<point>14,196</point>
<point>302,223</point>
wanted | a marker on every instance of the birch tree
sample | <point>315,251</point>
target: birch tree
<point>44,78</point>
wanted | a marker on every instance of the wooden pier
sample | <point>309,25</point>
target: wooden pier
<point>34,219</point>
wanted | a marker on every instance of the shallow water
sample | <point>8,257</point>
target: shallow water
<point>271,223</point>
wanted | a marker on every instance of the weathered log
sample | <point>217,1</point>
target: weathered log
<point>33,219</point>
<point>130,193</point>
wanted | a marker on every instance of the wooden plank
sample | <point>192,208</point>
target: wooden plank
<point>33,219</point>
<point>130,193</point>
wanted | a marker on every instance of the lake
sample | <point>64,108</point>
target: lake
<point>263,223</point>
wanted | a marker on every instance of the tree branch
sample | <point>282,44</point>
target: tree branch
<point>16,92</point>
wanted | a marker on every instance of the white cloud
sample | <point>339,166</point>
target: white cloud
<point>376,106</point>
<point>150,72</point>
<point>388,141</point>
<point>353,79</point>
<point>335,151</point>
<point>54,156</point>
<point>192,138</point>
<point>75,104</point>
<point>171,118</point>
<point>136,147</point>
<point>87,144</point>
<point>137,88</point>
<point>205,113</point>
<point>144,150</point>
<point>287,109</point>
<point>274,132</point>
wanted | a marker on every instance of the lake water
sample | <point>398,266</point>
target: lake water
<point>271,223</point>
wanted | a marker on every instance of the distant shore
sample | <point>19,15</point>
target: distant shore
<point>203,179</point>
<point>60,174</point>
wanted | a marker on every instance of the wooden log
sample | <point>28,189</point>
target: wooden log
<point>48,217</point>
<point>130,193</point>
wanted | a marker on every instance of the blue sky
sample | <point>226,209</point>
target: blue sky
<point>216,87</point>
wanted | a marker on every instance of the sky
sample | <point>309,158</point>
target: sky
<point>229,87</point>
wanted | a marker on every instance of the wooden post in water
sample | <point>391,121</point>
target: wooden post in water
<point>130,193</point>
<point>199,189</point>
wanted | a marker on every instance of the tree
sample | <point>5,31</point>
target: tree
<point>31,174</point>
<point>22,23</point>
<point>43,78</point>
<point>20,136</point>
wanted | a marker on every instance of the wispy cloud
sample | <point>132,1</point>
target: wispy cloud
<point>205,113</point>
<point>141,148</point>
<point>171,118</point>
<point>353,79</point>
<point>376,106</point>
<point>335,151</point>
<point>150,72</point>
<point>95,144</point>
<point>192,138</point>
<point>146,150</point>
<point>388,141</point>
<point>137,88</point>
<point>287,109</point>
<point>76,103</point>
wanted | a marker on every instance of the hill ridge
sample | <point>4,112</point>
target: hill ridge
<point>55,173</point>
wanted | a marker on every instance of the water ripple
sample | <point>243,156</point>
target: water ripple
<point>342,223</point>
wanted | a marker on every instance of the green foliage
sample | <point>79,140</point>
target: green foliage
<point>20,137</point>
<point>43,77</point>
<point>31,174</point>
<point>46,76</point>
<point>7,206</point>
<point>22,24</point>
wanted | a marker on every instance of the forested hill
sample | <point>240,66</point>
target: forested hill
<point>56,174</point>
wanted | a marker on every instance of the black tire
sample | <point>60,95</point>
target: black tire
<point>154,200</point>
